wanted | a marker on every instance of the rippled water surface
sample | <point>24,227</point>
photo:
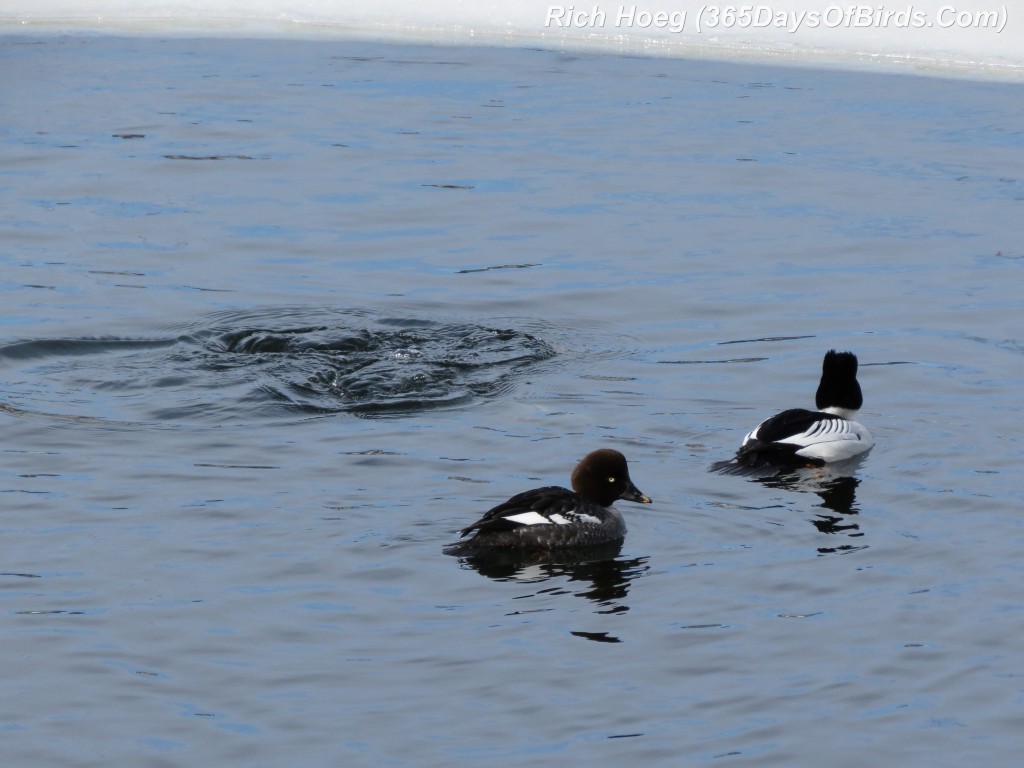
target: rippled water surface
<point>280,317</point>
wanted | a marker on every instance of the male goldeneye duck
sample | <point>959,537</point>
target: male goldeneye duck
<point>555,517</point>
<point>799,437</point>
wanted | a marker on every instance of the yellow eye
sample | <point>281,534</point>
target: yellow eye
<point>611,479</point>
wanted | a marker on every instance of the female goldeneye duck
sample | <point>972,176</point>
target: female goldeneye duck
<point>799,437</point>
<point>555,517</point>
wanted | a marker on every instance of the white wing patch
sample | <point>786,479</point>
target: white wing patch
<point>826,439</point>
<point>555,518</point>
<point>582,518</point>
<point>832,440</point>
<point>827,431</point>
<point>529,518</point>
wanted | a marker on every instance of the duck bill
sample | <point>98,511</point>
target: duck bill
<point>632,493</point>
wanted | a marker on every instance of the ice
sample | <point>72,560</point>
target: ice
<point>976,38</point>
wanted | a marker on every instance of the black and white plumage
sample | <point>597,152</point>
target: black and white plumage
<point>554,517</point>
<point>800,437</point>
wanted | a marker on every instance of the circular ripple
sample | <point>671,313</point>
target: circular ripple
<point>395,365</point>
<point>235,366</point>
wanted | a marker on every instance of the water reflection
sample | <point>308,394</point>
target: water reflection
<point>598,574</point>
<point>838,494</point>
<point>834,484</point>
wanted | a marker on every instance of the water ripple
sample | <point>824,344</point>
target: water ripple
<point>235,365</point>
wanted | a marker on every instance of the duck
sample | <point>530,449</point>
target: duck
<point>553,517</point>
<point>801,437</point>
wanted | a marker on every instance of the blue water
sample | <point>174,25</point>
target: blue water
<point>280,317</point>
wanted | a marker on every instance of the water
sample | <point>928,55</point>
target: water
<point>281,317</point>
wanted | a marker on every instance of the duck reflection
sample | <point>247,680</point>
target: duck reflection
<point>838,496</point>
<point>604,577</point>
<point>836,486</point>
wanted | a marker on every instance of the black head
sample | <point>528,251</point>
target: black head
<point>839,387</point>
<point>603,477</point>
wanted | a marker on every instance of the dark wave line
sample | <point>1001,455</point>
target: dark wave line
<point>40,348</point>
